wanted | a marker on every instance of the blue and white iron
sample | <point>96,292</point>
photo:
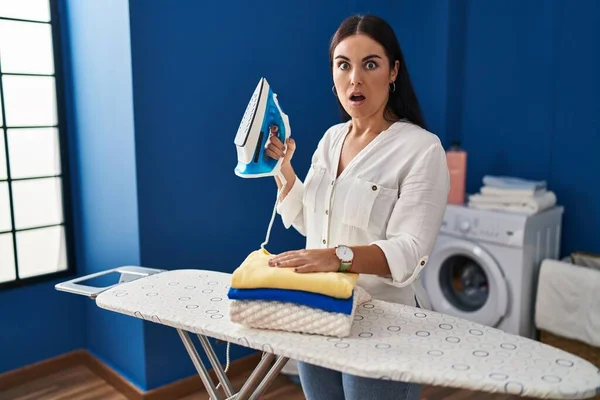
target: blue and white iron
<point>262,112</point>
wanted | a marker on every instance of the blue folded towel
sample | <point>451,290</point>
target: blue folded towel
<point>510,182</point>
<point>314,300</point>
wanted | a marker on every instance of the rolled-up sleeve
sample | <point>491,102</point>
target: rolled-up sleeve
<point>290,208</point>
<point>417,216</point>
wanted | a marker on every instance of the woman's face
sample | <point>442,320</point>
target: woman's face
<point>361,75</point>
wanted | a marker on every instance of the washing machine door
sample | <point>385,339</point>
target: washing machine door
<point>464,280</point>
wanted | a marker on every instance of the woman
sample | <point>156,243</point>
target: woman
<point>375,195</point>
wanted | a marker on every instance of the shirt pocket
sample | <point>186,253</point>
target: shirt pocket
<point>311,186</point>
<point>368,206</point>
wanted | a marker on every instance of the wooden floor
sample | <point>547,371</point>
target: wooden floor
<point>79,383</point>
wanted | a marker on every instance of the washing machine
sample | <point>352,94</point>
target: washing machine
<point>484,265</point>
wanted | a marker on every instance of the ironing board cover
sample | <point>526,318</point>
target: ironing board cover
<point>387,341</point>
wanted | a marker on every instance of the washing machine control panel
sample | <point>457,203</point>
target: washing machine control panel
<point>484,225</point>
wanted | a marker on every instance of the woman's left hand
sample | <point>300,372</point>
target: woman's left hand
<point>308,260</point>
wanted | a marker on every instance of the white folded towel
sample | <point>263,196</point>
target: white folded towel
<point>567,301</point>
<point>522,204</point>
<point>498,191</point>
<point>513,182</point>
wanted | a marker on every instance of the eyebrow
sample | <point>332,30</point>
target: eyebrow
<point>364,58</point>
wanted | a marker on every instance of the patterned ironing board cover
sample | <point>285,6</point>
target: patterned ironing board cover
<point>388,341</point>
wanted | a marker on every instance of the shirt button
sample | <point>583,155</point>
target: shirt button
<point>326,212</point>
<point>324,241</point>
<point>374,187</point>
<point>332,183</point>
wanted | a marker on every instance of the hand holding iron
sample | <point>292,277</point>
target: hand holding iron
<point>275,148</point>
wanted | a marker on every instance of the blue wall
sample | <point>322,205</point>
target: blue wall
<point>38,323</point>
<point>101,110</point>
<point>158,91</point>
<point>530,104</point>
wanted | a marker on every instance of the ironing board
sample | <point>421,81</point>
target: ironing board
<point>387,341</point>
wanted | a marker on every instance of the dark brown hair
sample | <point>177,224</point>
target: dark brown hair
<point>402,103</point>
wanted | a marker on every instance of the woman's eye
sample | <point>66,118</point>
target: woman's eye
<point>371,65</point>
<point>344,65</point>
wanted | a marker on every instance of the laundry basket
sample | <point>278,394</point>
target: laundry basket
<point>568,308</point>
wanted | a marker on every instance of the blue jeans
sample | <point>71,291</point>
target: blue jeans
<point>327,384</point>
<point>323,383</point>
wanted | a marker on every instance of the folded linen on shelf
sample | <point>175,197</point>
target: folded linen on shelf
<point>525,205</point>
<point>499,191</point>
<point>513,182</point>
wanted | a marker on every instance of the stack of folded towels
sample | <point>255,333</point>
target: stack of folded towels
<point>267,297</point>
<point>505,193</point>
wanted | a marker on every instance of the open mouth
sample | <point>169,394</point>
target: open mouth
<point>357,98</point>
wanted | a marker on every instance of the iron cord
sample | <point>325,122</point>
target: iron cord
<point>279,192</point>
<point>262,246</point>
<point>227,364</point>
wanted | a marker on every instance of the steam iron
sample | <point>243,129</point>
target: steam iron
<point>262,111</point>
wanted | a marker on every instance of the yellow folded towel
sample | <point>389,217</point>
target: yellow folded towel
<point>255,273</point>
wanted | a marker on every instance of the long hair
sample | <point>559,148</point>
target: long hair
<point>402,103</point>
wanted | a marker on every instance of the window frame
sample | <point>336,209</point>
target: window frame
<point>65,174</point>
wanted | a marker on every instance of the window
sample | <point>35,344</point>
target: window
<point>34,223</point>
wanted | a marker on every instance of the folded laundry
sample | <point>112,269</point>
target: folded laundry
<point>501,191</point>
<point>276,315</point>
<point>526,205</point>
<point>513,182</point>
<point>510,198</point>
<point>300,297</point>
<point>255,273</point>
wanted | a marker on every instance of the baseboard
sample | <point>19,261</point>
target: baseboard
<point>112,377</point>
<point>43,368</point>
<point>174,390</point>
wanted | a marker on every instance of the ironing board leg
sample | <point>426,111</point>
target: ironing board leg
<point>214,361</point>
<point>255,378</point>
<point>258,382</point>
<point>206,380</point>
<point>261,377</point>
<point>264,385</point>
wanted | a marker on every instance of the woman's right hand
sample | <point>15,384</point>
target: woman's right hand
<point>275,149</point>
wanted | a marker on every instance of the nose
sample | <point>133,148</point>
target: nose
<point>356,77</point>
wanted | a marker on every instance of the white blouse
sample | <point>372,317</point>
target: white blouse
<point>391,194</point>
